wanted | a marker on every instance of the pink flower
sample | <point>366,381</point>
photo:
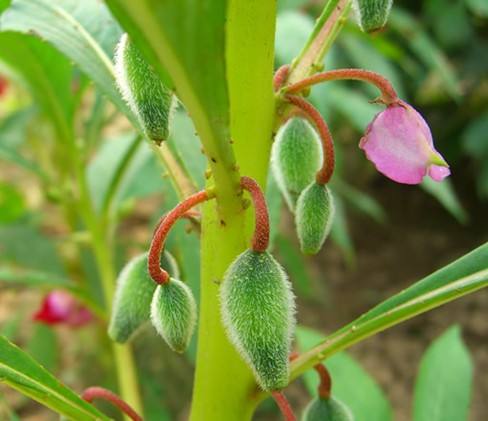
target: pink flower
<point>399,143</point>
<point>59,307</point>
<point>3,85</point>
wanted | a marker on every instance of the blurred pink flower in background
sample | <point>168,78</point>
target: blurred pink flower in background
<point>60,307</point>
<point>3,85</point>
<point>399,143</point>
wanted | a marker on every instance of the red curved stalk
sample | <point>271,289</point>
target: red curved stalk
<point>388,93</point>
<point>96,392</point>
<point>284,405</point>
<point>260,239</point>
<point>325,384</point>
<point>158,274</point>
<point>280,76</point>
<point>310,112</point>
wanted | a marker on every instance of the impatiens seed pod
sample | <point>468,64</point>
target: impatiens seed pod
<point>133,295</point>
<point>296,157</point>
<point>372,15</point>
<point>258,312</point>
<point>320,409</point>
<point>314,216</point>
<point>174,313</point>
<point>143,91</point>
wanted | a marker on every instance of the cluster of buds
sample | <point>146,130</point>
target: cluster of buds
<point>398,142</point>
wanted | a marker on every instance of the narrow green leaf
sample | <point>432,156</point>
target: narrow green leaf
<point>340,233</point>
<point>463,276</point>
<point>19,371</point>
<point>445,194</point>
<point>85,32</point>
<point>43,346</point>
<point>443,386</point>
<point>351,384</point>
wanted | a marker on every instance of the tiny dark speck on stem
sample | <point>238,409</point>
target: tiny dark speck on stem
<point>222,223</point>
<point>213,160</point>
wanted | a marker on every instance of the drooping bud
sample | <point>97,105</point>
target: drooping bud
<point>143,90</point>
<point>372,15</point>
<point>258,312</point>
<point>133,295</point>
<point>320,409</point>
<point>399,143</point>
<point>174,313</point>
<point>314,216</point>
<point>295,158</point>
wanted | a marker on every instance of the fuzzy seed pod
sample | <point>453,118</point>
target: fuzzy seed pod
<point>314,216</point>
<point>174,314</point>
<point>147,97</point>
<point>372,15</point>
<point>295,158</point>
<point>258,311</point>
<point>320,409</point>
<point>133,295</point>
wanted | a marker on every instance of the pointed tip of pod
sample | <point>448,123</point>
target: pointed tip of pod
<point>314,216</point>
<point>295,158</point>
<point>372,15</point>
<point>258,312</point>
<point>148,98</point>
<point>331,409</point>
<point>174,314</point>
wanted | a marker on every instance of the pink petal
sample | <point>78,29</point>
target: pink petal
<point>438,173</point>
<point>399,143</point>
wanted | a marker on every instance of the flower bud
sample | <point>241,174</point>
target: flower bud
<point>143,90</point>
<point>133,295</point>
<point>320,409</point>
<point>295,158</point>
<point>314,216</point>
<point>372,15</point>
<point>258,312</point>
<point>174,313</point>
<point>399,143</point>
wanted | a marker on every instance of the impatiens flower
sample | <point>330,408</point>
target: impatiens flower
<point>3,85</point>
<point>399,143</point>
<point>59,307</point>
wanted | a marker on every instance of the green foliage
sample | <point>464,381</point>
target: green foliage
<point>174,314</point>
<point>320,409</point>
<point>443,385</point>
<point>314,216</point>
<point>295,158</point>
<point>258,312</point>
<point>143,91</point>
<point>20,371</point>
<point>372,15</point>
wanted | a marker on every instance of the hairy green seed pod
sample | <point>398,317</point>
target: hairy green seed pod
<point>258,311</point>
<point>320,409</point>
<point>174,314</point>
<point>372,15</point>
<point>314,216</point>
<point>133,295</point>
<point>295,158</point>
<point>146,95</point>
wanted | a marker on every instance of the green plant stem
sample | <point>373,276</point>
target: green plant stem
<point>223,382</point>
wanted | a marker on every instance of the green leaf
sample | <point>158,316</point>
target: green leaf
<point>461,277</point>
<point>49,84</point>
<point>445,194</point>
<point>351,384</point>
<point>443,386</point>
<point>186,40</point>
<point>19,371</point>
<point>85,32</point>
<point>12,205</point>
<point>426,50</point>
<point>340,233</point>
<point>479,7</point>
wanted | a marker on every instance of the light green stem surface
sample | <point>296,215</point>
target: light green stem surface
<point>223,383</point>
